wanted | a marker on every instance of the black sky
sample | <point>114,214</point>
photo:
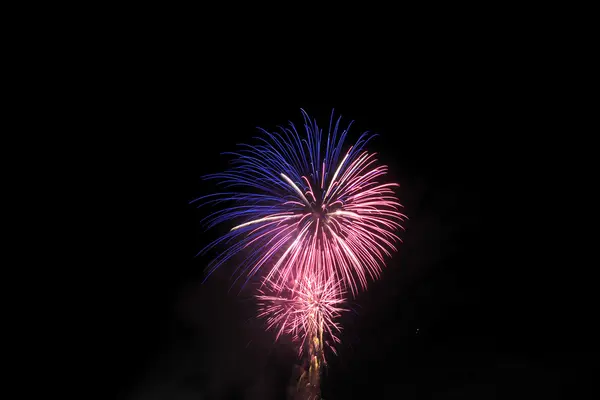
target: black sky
<point>459,134</point>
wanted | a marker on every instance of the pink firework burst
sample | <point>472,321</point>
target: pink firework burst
<point>305,207</point>
<point>306,308</point>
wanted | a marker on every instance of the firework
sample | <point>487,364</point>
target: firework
<point>305,308</point>
<point>304,207</point>
<point>315,220</point>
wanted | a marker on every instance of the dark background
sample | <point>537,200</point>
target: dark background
<point>476,304</point>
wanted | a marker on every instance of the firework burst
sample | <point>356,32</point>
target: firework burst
<point>302,207</point>
<point>305,308</point>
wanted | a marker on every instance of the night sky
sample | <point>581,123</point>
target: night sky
<point>467,308</point>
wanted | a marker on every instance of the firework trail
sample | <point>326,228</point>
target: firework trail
<point>305,208</point>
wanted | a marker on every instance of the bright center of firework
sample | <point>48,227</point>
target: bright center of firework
<point>320,210</point>
<point>318,214</point>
